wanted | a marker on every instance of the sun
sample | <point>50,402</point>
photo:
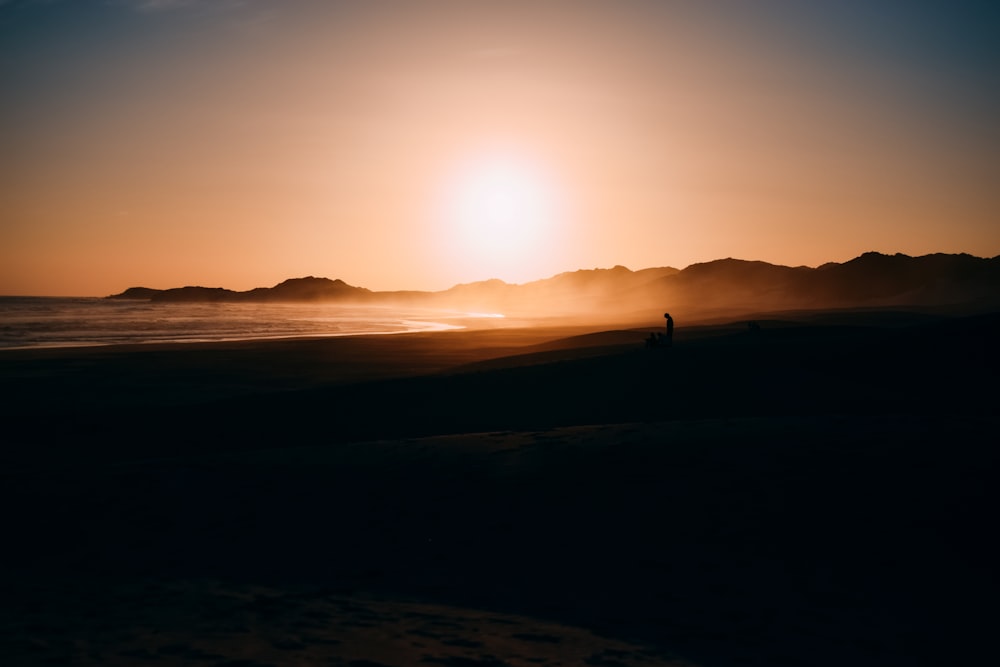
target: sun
<point>503,216</point>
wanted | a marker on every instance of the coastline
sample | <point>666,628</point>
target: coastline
<point>55,322</point>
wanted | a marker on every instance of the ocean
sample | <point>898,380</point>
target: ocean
<point>27,322</point>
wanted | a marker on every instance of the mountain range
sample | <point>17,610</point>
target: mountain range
<point>716,288</point>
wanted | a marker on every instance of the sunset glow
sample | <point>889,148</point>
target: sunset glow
<point>502,217</point>
<point>416,145</point>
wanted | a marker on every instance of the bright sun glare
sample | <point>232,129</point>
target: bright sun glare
<point>502,216</point>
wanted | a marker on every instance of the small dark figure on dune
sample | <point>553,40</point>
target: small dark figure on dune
<point>753,326</point>
<point>657,339</point>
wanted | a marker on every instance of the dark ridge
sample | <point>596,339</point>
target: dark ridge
<point>730,286</point>
<point>193,293</point>
<point>137,293</point>
<point>293,289</point>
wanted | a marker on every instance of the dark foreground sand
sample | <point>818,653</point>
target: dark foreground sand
<point>822,492</point>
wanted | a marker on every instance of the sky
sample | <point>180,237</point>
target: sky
<point>420,144</point>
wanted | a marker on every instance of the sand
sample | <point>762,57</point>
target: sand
<point>817,493</point>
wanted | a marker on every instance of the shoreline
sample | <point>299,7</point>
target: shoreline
<point>100,323</point>
<point>431,327</point>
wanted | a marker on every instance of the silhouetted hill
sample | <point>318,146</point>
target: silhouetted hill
<point>137,293</point>
<point>572,292</point>
<point>307,289</point>
<point>293,289</point>
<point>930,279</point>
<point>723,287</point>
<point>199,294</point>
<point>872,280</point>
<point>733,284</point>
<point>728,287</point>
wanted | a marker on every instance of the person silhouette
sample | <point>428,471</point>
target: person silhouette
<point>669,340</point>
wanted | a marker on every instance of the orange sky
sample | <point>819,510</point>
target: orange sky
<point>406,145</point>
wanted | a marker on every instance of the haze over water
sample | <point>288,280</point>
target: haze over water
<point>74,322</point>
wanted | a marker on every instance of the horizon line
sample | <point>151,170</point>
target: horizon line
<point>491,279</point>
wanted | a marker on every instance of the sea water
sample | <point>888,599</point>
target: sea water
<point>72,322</point>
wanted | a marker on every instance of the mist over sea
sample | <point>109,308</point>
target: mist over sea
<point>75,322</point>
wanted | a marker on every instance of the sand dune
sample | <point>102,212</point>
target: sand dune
<point>818,492</point>
<point>169,622</point>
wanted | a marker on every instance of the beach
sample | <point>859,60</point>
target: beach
<point>818,491</point>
